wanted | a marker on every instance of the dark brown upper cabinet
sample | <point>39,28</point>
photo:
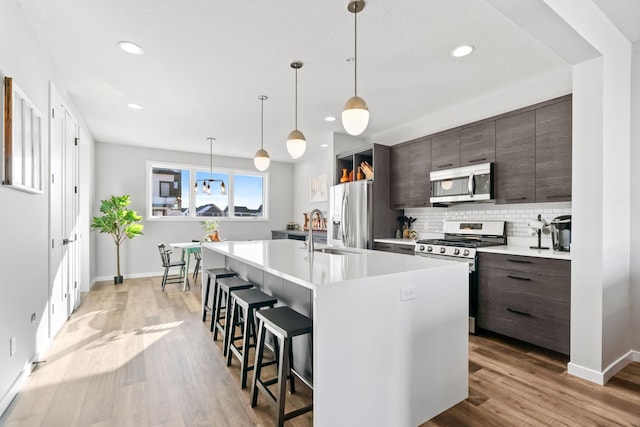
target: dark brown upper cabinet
<point>419,170</point>
<point>553,153</point>
<point>515,168</point>
<point>478,144</point>
<point>399,177</point>
<point>445,151</point>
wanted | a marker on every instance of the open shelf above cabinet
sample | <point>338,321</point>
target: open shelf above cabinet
<point>351,161</point>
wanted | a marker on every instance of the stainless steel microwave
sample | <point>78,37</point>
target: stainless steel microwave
<point>465,184</point>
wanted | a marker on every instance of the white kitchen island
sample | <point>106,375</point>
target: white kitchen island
<point>390,343</point>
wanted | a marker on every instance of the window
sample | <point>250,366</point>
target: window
<point>182,192</point>
<point>22,140</point>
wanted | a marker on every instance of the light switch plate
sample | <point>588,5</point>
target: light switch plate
<point>407,293</point>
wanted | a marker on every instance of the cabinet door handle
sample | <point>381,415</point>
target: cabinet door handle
<point>520,261</point>
<point>445,165</point>
<point>521,313</point>
<point>516,198</point>
<point>559,196</point>
<point>518,277</point>
<point>477,160</point>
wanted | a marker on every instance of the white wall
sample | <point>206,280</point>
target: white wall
<point>24,217</point>
<point>635,197</point>
<point>122,169</point>
<point>602,125</point>
<point>320,163</point>
<point>523,94</point>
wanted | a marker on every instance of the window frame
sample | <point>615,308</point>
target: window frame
<point>192,170</point>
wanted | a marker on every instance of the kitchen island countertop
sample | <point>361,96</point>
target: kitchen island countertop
<point>292,261</point>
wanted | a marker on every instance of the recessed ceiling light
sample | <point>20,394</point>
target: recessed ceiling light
<point>135,106</point>
<point>463,50</point>
<point>131,47</point>
<point>330,119</point>
<point>324,145</point>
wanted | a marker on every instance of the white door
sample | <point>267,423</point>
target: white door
<point>70,211</point>
<point>63,214</point>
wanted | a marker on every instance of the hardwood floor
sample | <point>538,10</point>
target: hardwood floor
<point>134,356</point>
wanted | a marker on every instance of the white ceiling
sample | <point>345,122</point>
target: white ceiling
<point>206,62</point>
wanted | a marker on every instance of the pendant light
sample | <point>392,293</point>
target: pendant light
<point>296,144</point>
<point>355,115</point>
<point>206,183</point>
<point>261,159</point>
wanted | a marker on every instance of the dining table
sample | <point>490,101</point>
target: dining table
<point>187,248</point>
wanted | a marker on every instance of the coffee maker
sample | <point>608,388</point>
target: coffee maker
<point>561,233</point>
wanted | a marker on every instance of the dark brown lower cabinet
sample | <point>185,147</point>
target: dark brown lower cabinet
<point>391,247</point>
<point>526,298</point>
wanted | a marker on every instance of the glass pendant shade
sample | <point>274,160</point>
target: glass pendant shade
<point>261,160</point>
<point>296,144</point>
<point>223,189</point>
<point>355,116</point>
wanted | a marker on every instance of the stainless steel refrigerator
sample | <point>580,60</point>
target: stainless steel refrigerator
<point>350,215</point>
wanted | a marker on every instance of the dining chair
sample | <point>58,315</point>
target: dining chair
<point>198,267</point>
<point>165,255</point>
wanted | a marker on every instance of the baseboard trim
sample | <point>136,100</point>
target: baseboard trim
<point>17,384</point>
<point>127,276</point>
<point>609,372</point>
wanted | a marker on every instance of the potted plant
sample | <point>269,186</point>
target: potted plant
<point>211,227</point>
<point>118,221</point>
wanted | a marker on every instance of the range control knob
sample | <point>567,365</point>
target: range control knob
<point>442,250</point>
<point>421,249</point>
<point>429,249</point>
<point>456,251</point>
<point>466,252</point>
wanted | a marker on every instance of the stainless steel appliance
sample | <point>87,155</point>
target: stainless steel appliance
<point>460,242</point>
<point>561,233</point>
<point>466,184</point>
<point>350,214</point>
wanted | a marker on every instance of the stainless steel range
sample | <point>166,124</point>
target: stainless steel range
<point>460,243</point>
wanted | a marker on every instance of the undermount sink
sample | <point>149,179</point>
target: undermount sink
<point>333,251</point>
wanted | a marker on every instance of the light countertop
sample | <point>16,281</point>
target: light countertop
<point>408,242</point>
<point>290,260</point>
<point>526,251</point>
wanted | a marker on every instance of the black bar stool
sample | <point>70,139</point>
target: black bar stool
<point>226,285</point>
<point>215,273</point>
<point>249,301</point>
<point>284,323</point>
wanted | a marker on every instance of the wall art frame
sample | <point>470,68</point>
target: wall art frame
<point>318,189</point>
<point>22,140</point>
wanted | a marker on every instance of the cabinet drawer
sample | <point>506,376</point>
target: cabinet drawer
<point>404,249</point>
<point>530,307</point>
<point>525,264</point>
<point>278,235</point>
<point>387,247</point>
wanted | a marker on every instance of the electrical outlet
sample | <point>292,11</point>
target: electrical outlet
<point>12,346</point>
<point>407,293</point>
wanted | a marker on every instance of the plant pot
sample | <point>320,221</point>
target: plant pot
<point>117,280</point>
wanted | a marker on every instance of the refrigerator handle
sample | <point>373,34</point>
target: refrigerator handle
<point>344,219</point>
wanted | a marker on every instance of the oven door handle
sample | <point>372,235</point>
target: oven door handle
<point>472,184</point>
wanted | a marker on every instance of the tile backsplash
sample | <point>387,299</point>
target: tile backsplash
<point>429,220</point>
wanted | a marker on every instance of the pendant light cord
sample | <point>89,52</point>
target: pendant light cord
<point>296,99</point>
<point>355,49</point>
<point>262,123</point>
<point>210,157</point>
